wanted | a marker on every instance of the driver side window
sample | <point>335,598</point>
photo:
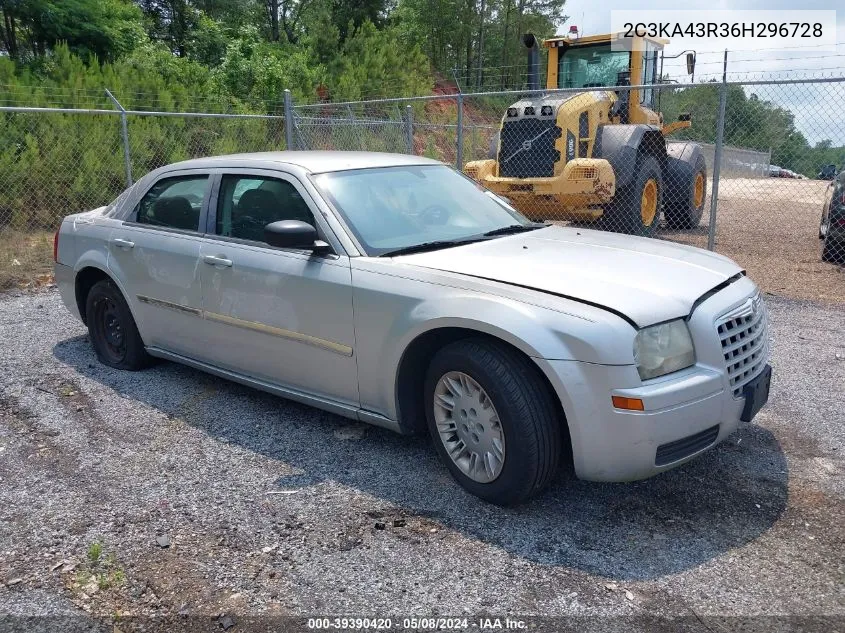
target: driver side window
<point>248,203</point>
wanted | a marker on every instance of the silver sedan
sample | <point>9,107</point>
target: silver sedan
<point>393,290</point>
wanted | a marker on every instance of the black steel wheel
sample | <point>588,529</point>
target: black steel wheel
<point>112,329</point>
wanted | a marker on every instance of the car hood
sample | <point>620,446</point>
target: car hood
<point>647,280</point>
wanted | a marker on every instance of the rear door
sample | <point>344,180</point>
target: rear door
<point>154,256</point>
<point>282,315</point>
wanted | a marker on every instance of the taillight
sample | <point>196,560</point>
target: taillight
<point>56,247</point>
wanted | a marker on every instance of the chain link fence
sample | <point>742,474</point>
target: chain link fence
<point>537,150</point>
<point>54,162</point>
<point>742,168</point>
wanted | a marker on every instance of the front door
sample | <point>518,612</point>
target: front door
<point>282,315</point>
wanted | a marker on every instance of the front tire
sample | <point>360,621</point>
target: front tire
<point>635,208</point>
<point>112,329</point>
<point>493,421</point>
<point>687,186</point>
<point>833,252</point>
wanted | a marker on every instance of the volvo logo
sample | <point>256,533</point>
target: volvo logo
<point>526,145</point>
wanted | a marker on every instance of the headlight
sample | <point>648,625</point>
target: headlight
<point>662,349</point>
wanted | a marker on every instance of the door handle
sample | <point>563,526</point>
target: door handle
<point>217,260</point>
<point>122,243</point>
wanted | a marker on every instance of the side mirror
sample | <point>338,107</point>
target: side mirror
<point>690,63</point>
<point>293,234</point>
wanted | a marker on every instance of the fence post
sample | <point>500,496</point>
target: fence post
<point>124,128</point>
<point>409,128</point>
<point>289,121</point>
<point>717,157</point>
<point>459,156</point>
<point>352,122</point>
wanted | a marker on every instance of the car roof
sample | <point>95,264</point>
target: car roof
<point>312,161</point>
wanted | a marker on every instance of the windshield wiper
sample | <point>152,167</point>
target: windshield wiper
<point>515,228</point>
<point>436,244</point>
<point>430,246</point>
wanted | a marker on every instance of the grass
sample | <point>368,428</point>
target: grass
<point>95,550</point>
<point>26,258</point>
<point>103,570</point>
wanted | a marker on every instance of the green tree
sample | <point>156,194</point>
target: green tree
<point>258,71</point>
<point>105,29</point>
<point>480,39</point>
<point>376,63</point>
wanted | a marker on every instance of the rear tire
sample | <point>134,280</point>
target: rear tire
<point>687,187</point>
<point>112,329</point>
<point>635,208</point>
<point>513,417</point>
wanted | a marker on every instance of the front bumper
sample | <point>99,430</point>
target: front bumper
<point>685,413</point>
<point>577,192</point>
<point>611,444</point>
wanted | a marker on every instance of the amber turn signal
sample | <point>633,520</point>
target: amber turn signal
<point>632,404</point>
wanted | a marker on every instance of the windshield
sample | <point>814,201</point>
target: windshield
<point>395,208</point>
<point>591,66</point>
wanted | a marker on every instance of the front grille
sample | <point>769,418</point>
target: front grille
<point>686,446</point>
<point>583,173</point>
<point>527,148</point>
<point>744,334</point>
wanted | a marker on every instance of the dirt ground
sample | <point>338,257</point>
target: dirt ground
<point>26,258</point>
<point>770,226</point>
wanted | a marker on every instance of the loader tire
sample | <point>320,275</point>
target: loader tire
<point>686,184</point>
<point>635,208</point>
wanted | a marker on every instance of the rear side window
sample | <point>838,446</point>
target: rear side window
<point>174,203</point>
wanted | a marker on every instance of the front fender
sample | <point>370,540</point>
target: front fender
<point>386,324</point>
<point>523,325</point>
<point>619,145</point>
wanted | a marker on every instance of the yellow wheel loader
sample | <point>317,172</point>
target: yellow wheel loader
<point>596,155</point>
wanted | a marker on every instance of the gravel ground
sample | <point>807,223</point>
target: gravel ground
<point>174,495</point>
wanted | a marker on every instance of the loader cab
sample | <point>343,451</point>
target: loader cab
<point>598,61</point>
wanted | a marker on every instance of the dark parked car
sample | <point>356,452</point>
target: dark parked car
<point>828,172</point>
<point>832,226</point>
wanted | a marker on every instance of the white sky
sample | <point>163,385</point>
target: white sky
<point>817,108</point>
